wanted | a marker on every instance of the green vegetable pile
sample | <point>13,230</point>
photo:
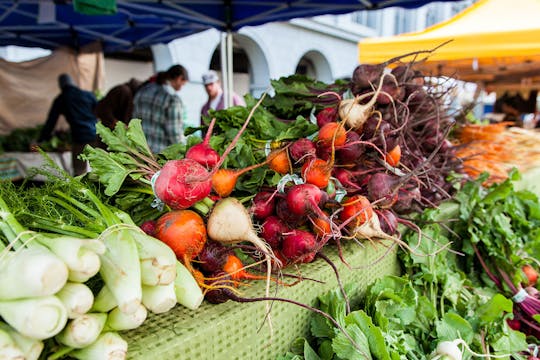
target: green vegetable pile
<point>20,140</point>
<point>445,293</point>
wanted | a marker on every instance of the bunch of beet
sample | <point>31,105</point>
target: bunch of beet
<point>383,145</point>
<point>287,221</point>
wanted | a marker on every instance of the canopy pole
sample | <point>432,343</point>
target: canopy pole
<point>230,71</point>
<point>224,68</point>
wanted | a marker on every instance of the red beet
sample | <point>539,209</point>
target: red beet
<point>203,153</point>
<point>301,150</point>
<point>213,256</point>
<point>182,183</point>
<point>327,115</point>
<point>298,246</point>
<point>388,221</point>
<point>346,178</point>
<point>263,205</point>
<point>382,189</point>
<point>351,151</point>
<point>149,227</point>
<point>304,199</point>
<point>272,231</point>
<point>284,213</point>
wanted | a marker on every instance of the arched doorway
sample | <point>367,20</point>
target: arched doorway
<point>313,64</point>
<point>250,67</point>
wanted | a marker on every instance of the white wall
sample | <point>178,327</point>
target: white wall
<point>274,50</point>
<point>120,71</point>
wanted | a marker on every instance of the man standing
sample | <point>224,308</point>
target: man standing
<point>77,106</point>
<point>161,109</point>
<point>216,100</point>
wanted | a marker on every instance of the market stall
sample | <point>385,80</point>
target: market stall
<point>201,259</point>
<point>491,42</point>
<point>128,25</point>
<point>357,188</point>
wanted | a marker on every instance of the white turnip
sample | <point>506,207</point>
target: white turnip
<point>355,114</point>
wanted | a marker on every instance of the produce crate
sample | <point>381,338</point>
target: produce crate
<point>236,330</point>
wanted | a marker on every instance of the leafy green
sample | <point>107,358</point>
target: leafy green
<point>443,293</point>
<point>20,140</point>
<point>299,95</point>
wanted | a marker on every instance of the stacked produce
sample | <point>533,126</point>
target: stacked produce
<point>268,188</point>
<point>496,149</point>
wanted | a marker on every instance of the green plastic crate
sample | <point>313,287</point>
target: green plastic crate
<point>236,331</point>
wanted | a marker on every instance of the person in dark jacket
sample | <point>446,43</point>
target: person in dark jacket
<point>78,107</point>
<point>117,105</point>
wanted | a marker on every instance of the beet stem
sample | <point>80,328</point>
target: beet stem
<point>333,266</point>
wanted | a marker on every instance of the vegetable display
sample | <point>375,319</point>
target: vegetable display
<point>269,188</point>
<point>447,305</point>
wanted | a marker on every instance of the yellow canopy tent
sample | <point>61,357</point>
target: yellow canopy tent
<point>494,42</point>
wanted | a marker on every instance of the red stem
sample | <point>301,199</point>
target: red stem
<point>486,269</point>
<point>206,140</point>
<point>507,280</point>
<point>237,136</point>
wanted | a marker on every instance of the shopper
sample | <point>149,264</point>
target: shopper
<point>216,100</point>
<point>77,106</point>
<point>161,110</point>
<point>117,105</point>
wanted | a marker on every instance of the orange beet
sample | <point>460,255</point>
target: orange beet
<point>184,231</point>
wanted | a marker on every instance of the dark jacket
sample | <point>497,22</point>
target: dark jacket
<point>77,106</point>
<point>117,105</point>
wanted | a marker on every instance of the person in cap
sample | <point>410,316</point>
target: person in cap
<point>160,108</point>
<point>117,105</point>
<point>77,106</point>
<point>216,100</point>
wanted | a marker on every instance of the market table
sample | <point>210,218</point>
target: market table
<point>236,331</point>
<point>19,165</point>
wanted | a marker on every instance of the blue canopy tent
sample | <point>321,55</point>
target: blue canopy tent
<point>140,23</point>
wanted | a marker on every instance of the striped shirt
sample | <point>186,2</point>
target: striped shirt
<point>161,116</point>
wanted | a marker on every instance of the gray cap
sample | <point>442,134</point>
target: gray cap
<point>65,80</point>
<point>210,77</point>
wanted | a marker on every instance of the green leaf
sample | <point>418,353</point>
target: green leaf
<point>345,349</point>
<point>373,334</point>
<point>136,136</point>
<point>111,169</point>
<point>309,353</point>
<point>325,350</point>
<point>494,309</point>
<point>452,326</point>
<point>321,327</point>
<point>509,341</point>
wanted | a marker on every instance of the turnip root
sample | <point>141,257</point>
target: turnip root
<point>450,350</point>
<point>229,223</point>
<point>355,114</point>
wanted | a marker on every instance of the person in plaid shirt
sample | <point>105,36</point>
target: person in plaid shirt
<point>161,110</point>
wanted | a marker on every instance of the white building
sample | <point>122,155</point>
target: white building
<point>324,47</point>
